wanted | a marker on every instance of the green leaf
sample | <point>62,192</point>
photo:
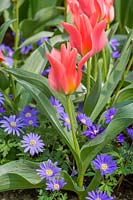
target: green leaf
<point>92,99</point>
<point>125,94</point>
<point>122,119</point>
<point>4,28</point>
<point>38,81</point>
<point>94,182</point>
<point>113,80</point>
<point>49,111</point>
<point>4,4</point>
<point>36,37</point>
<point>29,26</point>
<point>20,174</point>
<point>72,186</point>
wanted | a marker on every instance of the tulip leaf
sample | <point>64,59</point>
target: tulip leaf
<point>36,37</point>
<point>46,108</point>
<point>72,186</point>
<point>20,174</point>
<point>4,28</point>
<point>38,81</point>
<point>92,99</point>
<point>122,119</point>
<point>125,94</point>
<point>112,80</point>
<point>95,182</point>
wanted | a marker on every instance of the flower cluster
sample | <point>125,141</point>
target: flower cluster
<point>105,164</point>
<point>51,173</point>
<point>29,116</point>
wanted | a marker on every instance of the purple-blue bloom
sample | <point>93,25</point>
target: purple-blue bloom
<point>2,99</point>
<point>130,131</point>
<point>120,138</point>
<point>29,112</point>
<point>55,184</point>
<point>12,125</point>
<point>116,54</point>
<point>96,195</point>
<point>66,121</point>
<point>31,121</point>
<point>2,109</point>
<point>32,143</point>
<point>39,42</point>
<point>25,49</point>
<point>110,113</point>
<point>9,52</point>
<point>57,105</point>
<point>29,116</point>
<point>114,43</point>
<point>93,130</point>
<point>48,170</point>
<point>105,164</point>
<point>9,61</point>
<point>45,71</point>
<point>83,119</point>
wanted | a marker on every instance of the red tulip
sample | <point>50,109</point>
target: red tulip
<point>103,8</point>
<point>1,57</point>
<point>64,77</point>
<point>87,35</point>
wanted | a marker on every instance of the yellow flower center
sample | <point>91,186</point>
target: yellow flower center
<point>104,167</point>
<point>30,122</point>
<point>98,198</point>
<point>67,120</point>
<point>32,142</point>
<point>49,172</point>
<point>83,121</point>
<point>13,124</point>
<point>28,115</point>
<point>56,186</point>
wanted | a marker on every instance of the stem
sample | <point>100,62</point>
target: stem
<point>76,145</point>
<point>88,76</point>
<point>16,15</point>
<point>104,65</point>
<point>95,67</point>
<point>65,10</point>
<point>13,88</point>
<point>80,179</point>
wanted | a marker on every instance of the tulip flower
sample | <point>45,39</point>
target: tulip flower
<point>1,57</point>
<point>64,77</point>
<point>87,35</point>
<point>104,8</point>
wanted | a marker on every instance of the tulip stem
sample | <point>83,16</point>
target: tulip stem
<point>76,145</point>
<point>95,67</point>
<point>88,76</point>
<point>104,65</point>
<point>16,15</point>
